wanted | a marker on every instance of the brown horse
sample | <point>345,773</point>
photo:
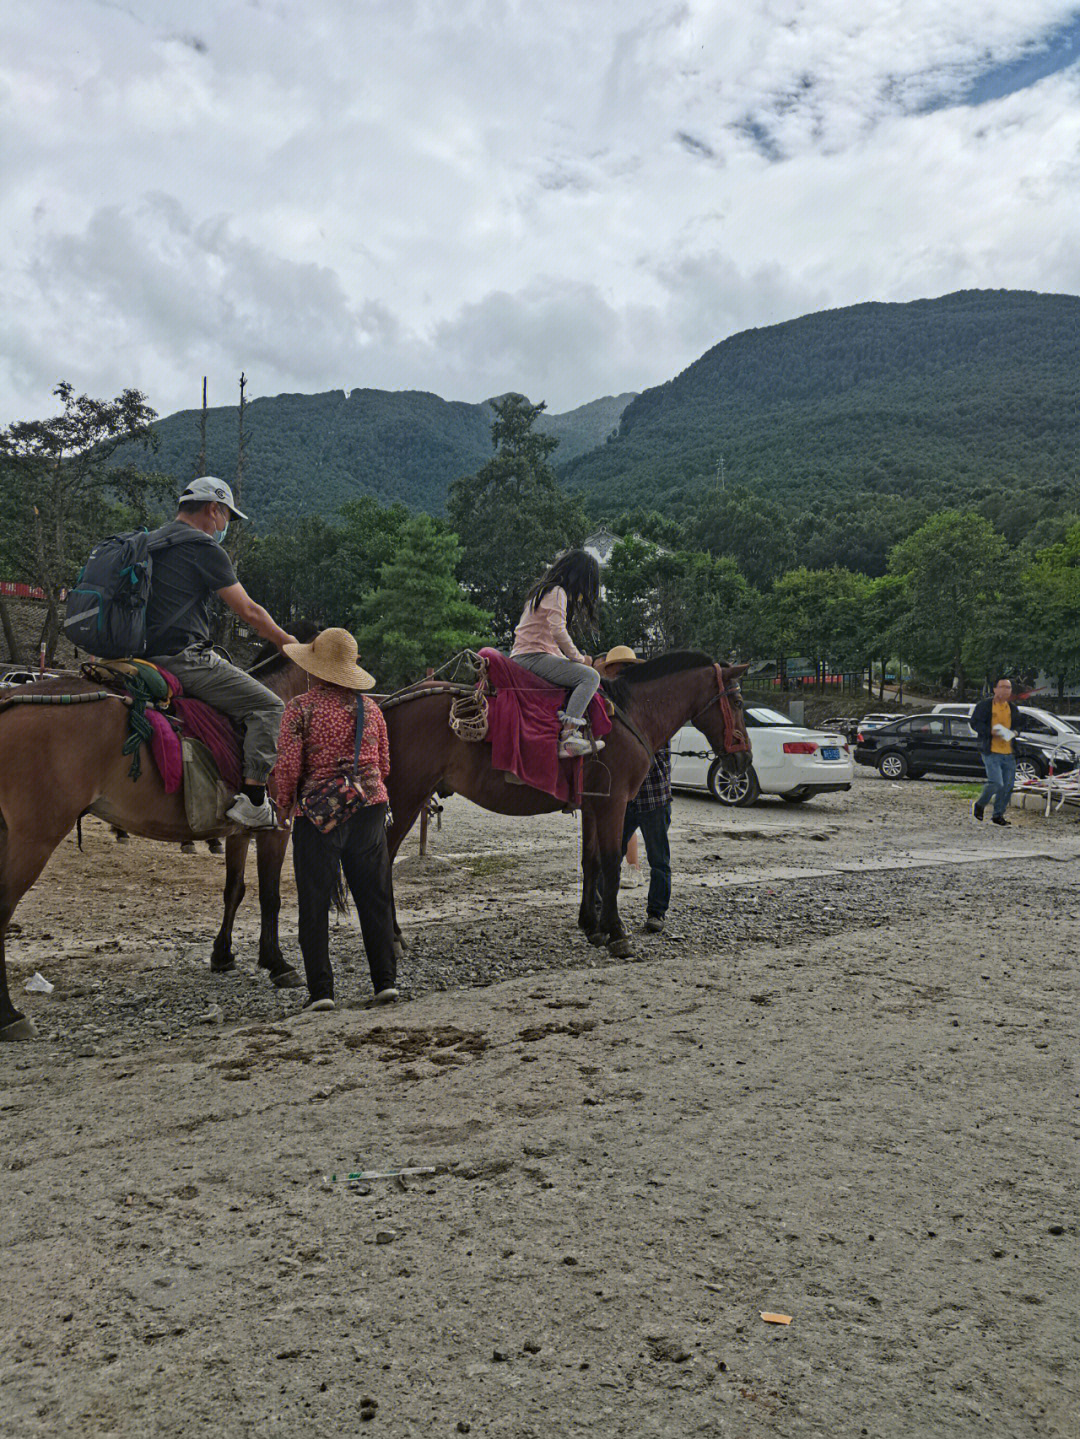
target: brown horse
<point>653,700</point>
<point>59,762</point>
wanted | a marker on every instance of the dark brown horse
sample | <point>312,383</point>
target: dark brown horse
<point>654,699</point>
<point>58,762</point>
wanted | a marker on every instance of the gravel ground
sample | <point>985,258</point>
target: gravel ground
<point>841,1085</point>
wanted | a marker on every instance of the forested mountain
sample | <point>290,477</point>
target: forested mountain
<point>307,454</point>
<point>939,401</point>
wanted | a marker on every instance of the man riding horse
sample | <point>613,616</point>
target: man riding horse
<point>178,635</point>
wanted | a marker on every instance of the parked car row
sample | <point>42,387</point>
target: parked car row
<point>796,762</point>
<point>947,744</point>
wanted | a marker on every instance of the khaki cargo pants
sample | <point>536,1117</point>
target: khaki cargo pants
<point>205,676</point>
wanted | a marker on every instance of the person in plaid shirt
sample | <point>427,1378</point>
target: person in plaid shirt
<point>649,811</point>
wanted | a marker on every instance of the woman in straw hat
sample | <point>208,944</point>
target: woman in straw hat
<point>333,760</point>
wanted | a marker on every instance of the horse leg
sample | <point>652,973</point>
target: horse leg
<point>403,822</point>
<point>21,861</point>
<point>222,957</point>
<point>590,873</point>
<point>610,833</point>
<point>270,847</point>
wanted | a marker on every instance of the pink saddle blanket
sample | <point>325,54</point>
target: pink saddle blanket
<point>524,725</point>
<point>199,721</point>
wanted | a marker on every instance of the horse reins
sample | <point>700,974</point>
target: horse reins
<point>734,743</point>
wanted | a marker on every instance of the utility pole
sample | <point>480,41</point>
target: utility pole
<point>200,463</point>
<point>241,446</point>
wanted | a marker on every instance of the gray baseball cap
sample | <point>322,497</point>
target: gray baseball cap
<point>211,491</point>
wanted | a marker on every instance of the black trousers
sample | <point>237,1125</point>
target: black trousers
<point>359,846</point>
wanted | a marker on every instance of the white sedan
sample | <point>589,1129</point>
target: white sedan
<point>788,760</point>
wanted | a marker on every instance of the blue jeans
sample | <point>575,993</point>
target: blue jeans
<point>1000,778</point>
<point>653,824</point>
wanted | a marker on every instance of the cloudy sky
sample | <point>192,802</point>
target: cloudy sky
<point>469,196</point>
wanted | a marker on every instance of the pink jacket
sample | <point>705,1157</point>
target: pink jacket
<point>542,631</point>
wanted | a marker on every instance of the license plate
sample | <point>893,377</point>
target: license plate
<point>830,751</point>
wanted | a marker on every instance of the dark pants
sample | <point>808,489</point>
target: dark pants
<point>653,824</point>
<point>1000,779</point>
<point>359,846</point>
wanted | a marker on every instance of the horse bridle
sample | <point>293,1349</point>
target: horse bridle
<point>734,743</point>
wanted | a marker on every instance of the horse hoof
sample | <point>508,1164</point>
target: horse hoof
<point>620,948</point>
<point>222,966</point>
<point>21,1028</point>
<point>597,937</point>
<point>287,979</point>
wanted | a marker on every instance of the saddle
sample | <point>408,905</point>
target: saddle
<point>182,732</point>
<point>517,712</point>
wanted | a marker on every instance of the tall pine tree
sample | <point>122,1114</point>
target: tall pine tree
<point>419,616</point>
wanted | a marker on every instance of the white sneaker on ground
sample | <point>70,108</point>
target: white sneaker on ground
<point>386,996</point>
<point>318,1005</point>
<point>252,816</point>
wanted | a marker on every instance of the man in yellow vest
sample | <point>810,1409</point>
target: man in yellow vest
<point>996,722</point>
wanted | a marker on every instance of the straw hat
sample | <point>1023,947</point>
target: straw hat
<point>332,656</point>
<point>621,655</point>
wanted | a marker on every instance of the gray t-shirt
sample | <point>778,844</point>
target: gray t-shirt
<point>187,572</point>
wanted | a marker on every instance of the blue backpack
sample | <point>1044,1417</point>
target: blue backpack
<point>106,610</point>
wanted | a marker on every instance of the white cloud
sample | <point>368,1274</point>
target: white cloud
<point>470,197</point>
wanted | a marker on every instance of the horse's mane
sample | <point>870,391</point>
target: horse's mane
<point>672,662</point>
<point>270,659</point>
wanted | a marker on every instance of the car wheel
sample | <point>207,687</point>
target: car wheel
<point>731,788</point>
<point>1030,768</point>
<point>796,796</point>
<point>892,765</point>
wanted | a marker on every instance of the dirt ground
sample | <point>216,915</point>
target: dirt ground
<point>841,1086</point>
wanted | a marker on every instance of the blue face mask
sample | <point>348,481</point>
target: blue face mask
<point>219,535</point>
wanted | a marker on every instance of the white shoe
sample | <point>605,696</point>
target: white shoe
<point>251,816</point>
<point>573,743</point>
<point>386,996</point>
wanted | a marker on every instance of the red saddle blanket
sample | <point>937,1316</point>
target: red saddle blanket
<point>199,721</point>
<point>524,725</point>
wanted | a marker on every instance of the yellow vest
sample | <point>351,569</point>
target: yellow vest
<point>1001,713</point>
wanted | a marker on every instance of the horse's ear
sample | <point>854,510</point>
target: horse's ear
<point>734,672</point>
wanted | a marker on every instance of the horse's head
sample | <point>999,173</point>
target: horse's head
<point>722,720</point>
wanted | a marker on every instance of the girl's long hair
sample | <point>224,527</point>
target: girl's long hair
<point>578,572</point>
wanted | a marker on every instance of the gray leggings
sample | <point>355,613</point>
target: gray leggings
<point>581,680</point>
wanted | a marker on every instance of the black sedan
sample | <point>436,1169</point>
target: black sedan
<point>945,744</point>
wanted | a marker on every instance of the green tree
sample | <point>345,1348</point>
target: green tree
<point>296,572</point>
<point>1049,599</point>
<point>419,616</point>
<point>955,569</point>
<point>511,516</point>
<point>884,623</point>
<point>656,599</point>
<point>62,492</point>
<point>752,530</point>
<point>817,613</point>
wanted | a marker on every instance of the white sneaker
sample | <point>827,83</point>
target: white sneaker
<point>386,996</point>
<point>251,816</point>
<point>573,744</point>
